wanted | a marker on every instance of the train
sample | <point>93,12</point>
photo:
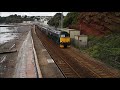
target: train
<point>62,38</point>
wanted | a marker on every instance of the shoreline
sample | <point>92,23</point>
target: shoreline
<point>7,67</point>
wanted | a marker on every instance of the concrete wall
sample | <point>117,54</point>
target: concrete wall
<point>80,40</point>
<point>73,33</point>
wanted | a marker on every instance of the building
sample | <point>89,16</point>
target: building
<point>81,40</point>
<point>26,21</point>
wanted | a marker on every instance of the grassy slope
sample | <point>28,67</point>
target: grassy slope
<point>106,49</point>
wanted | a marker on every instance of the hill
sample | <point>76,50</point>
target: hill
<point>94,23</point>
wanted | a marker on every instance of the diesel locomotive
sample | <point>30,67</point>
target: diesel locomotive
<point>62,38</point>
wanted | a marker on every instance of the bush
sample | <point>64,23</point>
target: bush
<point>106,49</point>
<point>55,21</point>
<point>71,18</point>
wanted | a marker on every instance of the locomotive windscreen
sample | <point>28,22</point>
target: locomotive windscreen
<point>65,33</point>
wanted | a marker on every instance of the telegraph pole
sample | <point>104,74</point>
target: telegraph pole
<point>1,17</point>
<point>61,20</point>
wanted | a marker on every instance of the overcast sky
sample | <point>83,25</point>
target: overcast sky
<point>31,13</point>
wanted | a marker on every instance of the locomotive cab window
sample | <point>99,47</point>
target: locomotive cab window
<point>65,34</point>
<point>62,35</point>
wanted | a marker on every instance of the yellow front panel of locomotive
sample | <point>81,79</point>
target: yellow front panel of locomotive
<point>65,39</point>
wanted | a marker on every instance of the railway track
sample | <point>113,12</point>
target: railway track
<point>67,64</point>
<point>98,69</point>
<point>71,63</point>
<point>65,68</point>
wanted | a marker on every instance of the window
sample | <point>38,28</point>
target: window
<point>62,35</point>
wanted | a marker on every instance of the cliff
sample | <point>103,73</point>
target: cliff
<point>94,23</point>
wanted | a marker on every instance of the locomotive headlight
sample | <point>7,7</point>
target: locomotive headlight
<point>61,42</point>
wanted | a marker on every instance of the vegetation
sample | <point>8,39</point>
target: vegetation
<point>107,20</point>
<point>55,21</point>
<point>106,49</point>
<point>15,19</point>
<point>71,18</point>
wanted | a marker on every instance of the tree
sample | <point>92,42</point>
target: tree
<point>15,19</point>
<point>71,18</point>
<point>55,21</point>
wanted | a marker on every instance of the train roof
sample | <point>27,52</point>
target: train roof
<point>53,30</point>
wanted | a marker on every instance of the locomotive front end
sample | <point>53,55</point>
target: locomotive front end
<point>64,40</point>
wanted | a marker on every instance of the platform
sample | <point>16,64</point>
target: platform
<point>33,63</point>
